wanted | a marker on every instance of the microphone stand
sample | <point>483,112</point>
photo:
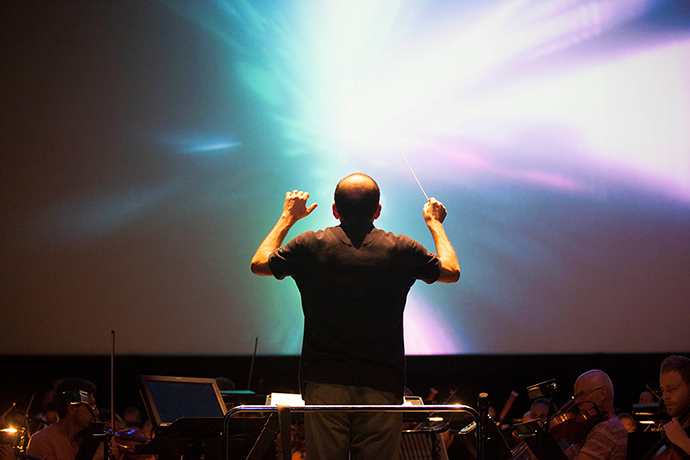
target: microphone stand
<point>90,433</point>
<point>483,410</point>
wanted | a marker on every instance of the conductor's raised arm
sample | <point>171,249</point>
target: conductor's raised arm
<point>294,209</point>
<point>434,215</point>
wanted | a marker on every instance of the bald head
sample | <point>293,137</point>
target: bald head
<point>357,196</point>
<point>596,388</point>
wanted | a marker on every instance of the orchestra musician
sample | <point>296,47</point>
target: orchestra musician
<point>60,441</point>
<point>538,410</point>
<point>608,439</point>
<point>674,380</point>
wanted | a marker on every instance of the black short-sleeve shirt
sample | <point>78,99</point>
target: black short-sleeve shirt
<point>354,281</point>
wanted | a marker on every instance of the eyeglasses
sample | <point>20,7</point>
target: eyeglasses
<point>578,397</point>
<point>592,391</point>
<point>84,403</point>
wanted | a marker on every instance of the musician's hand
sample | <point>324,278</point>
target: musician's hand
<point>677,435</point>
<point>6,452</point>
<point>516,437</point>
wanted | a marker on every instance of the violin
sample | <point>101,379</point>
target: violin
<point>130,438</point>
<point>574,428</point>
<point>128,442</point>
<point>566,428</point>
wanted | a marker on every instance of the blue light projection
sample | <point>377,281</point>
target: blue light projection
<point>156,154</point>
<point>563,98</point>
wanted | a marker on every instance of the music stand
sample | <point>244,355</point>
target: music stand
<point>187,415</point>
<point>495,445</point>
<point>422,445</point>
<point>198,438</point>
<point>168,398</point>
<point>92,437</point>
<point>234,398</point>
<point>540,442</point>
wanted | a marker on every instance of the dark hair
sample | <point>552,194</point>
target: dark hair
<point>359,199</point>
<point>68,385</point>
<point>677,363</point>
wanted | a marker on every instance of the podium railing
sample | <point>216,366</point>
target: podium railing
<point>284,411</point>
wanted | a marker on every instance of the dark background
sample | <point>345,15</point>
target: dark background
<point>468,375</point>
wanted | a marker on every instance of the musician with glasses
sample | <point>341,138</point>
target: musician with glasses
<point>675,387</point>
<point>608,440</point>
<point>60,441</point>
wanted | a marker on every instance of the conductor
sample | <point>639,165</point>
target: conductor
<point>353,280</point>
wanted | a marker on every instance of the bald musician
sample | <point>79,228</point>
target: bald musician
<point>675,386</point>
<point>608,440</point>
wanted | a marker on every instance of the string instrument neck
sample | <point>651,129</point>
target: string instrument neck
<point>664,450</point>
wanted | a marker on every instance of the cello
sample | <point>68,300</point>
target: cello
<point>665,449</point>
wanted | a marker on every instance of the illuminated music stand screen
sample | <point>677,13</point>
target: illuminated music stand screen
<point>171,398</point>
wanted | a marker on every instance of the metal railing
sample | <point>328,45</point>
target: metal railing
<point>431,409</point>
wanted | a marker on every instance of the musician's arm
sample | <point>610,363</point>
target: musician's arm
<point>677,435</point>
<point>40,447</point>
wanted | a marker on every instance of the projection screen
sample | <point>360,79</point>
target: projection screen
<point>148,146</point>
